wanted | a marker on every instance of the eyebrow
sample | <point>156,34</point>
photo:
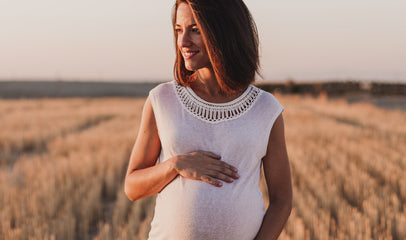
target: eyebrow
<point>193,25</point>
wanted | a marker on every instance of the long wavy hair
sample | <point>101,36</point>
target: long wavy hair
<point>231,39</point>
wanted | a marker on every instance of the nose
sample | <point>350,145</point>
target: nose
<point>184,40</point>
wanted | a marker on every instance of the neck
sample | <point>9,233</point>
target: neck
<point>206,82</point>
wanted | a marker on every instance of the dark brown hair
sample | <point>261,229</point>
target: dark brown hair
<point>230,35</point>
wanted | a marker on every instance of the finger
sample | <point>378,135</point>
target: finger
<point>223,165</point>
<point>220,176</point>
<point>210,154</point>
<point>211,180</point>
<point>225,169</point>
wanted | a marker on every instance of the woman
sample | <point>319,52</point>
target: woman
<point>211,130</point>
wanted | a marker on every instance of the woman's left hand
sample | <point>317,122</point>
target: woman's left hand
<point>205,166</point>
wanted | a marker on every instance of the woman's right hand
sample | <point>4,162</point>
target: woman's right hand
<point>205,166</point>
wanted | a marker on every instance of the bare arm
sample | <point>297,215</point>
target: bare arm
<point>144,178</point>
<point>278,179</point>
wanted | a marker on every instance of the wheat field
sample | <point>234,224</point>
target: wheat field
<point>62,165</point>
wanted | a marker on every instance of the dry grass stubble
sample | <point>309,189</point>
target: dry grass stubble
<point>63,161</point>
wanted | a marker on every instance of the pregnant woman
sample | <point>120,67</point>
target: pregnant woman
<point>210,129</point>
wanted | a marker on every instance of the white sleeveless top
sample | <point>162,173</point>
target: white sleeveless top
<point>238,131</point>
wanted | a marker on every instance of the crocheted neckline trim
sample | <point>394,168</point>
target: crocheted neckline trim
<point>216,112</point>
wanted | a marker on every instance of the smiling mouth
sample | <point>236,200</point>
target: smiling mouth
<point>189,54</point>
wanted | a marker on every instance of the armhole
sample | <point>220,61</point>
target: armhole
<point>277,113</point>
<point>152,100</point>
<point>151,96</point>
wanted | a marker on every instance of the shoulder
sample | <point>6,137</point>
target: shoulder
<point>163,96</point>
<point>162,88</point>
<point>162,92</point>
<point>267,98</point>
<point>268,106</point>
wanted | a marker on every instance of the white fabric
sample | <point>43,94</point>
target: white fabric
<point>190,209</point>
<point>213,112</point>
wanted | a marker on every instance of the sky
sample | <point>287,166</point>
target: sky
<point>312,40</point>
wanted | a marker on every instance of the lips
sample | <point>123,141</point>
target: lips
<point>189,54</point>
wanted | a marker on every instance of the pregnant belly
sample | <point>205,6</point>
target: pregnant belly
<point>190,209</point>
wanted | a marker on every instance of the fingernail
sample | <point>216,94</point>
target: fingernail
<point>219,184</point>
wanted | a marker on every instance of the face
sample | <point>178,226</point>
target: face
<point>190,41</point>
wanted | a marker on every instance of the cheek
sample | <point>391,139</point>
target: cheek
<point>178,42</point>
<point>199,42</point>
<point>204,51</point>
<point>201,46</point>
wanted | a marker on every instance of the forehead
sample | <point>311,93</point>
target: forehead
<point>184,14</point>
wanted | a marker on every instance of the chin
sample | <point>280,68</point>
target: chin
<point>194,66</point>
<point>191,68</point>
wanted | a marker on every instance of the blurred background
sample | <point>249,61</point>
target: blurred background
<point>132,40</point>
<point>73,80</point>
